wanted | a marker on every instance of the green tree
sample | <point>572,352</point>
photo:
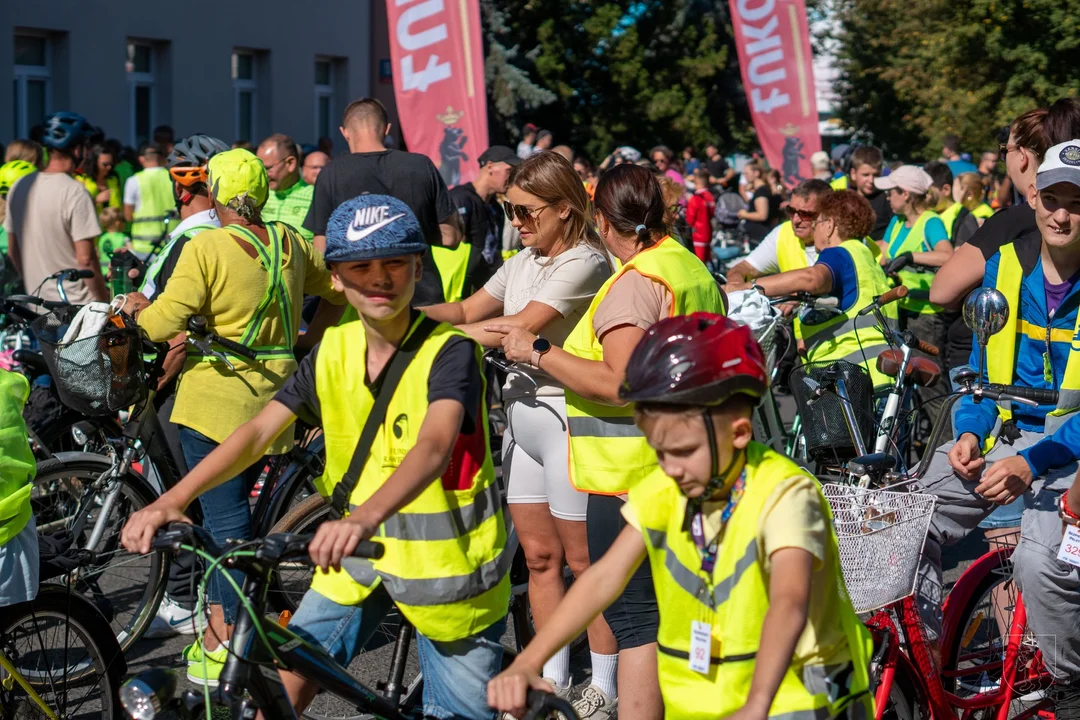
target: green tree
<point>628,73</point>
<point>915,71</point>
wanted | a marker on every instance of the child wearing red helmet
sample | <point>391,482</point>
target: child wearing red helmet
<point>755,621</point>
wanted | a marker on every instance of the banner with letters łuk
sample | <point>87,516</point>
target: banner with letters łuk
<point>438,68</point>
<point>773,40</point>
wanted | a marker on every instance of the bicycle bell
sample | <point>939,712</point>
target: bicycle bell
<point>985,311</point>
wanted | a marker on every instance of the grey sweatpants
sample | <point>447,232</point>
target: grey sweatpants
<point>1051,588</point>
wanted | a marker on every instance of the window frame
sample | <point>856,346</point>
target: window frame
<point>22,75</point>
<point>326,90</point>
<point>136,80</point>
<point>245,85</point>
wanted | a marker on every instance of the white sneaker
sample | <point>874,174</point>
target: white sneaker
<point>172,619</point>
<point>561,692</point>
<point>595,703</point>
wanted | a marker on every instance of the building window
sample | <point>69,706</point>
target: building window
<point>33,82</point>
<point>141,67</point>
<point>245,95</point>
<point>324,97</point>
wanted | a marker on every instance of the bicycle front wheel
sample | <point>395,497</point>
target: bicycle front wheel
<point>127,588</point>
<point>57,644</point>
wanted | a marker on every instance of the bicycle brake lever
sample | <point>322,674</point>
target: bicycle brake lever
<point>222,357</point>
<point>203,345</point>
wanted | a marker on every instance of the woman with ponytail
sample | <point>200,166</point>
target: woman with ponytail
<point>657,278</point>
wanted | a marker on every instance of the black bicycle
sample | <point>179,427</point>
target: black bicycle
<point>249,681</point>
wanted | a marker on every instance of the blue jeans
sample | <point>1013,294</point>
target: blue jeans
<point>1005,516</point>
<point>455,673</point>
<point>226,515</point>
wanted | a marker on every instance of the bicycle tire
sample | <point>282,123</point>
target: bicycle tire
<point>905,700</point>
<point>144,588</point>
<point>970,630</point>
<point>304,518</point>
<point>104,662</point>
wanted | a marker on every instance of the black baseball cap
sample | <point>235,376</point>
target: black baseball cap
<point>499,153</point>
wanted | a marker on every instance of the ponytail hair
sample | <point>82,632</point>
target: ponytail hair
<point>629,197</point>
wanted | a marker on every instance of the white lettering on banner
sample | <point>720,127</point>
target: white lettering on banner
<point>762,50</point>
<point>434,71</point>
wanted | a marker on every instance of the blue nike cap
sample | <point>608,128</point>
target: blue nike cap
<point>371,227</point>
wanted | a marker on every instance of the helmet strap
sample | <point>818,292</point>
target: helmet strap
<point>717,479</point>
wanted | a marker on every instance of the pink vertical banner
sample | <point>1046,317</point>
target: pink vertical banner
<point>773,40</point>
<point>438,69</point>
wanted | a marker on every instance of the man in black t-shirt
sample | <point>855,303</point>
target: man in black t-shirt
<point>481,216</point>
<point>370,168</point>
<point>720,173</point>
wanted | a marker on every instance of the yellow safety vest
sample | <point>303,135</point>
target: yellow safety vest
<point>155,201</point>
<point>983,211</point>
<point>453,266</point>
<point>1001,350</point>
<point>733,601</point>
<point>18,466</point>
<point>608,453</point>
<point>949,215</point>
<point>840,183</point>
<point>790,251</point>
<point>915,281</point>
<point>847,336</point>
<point>445,563</point>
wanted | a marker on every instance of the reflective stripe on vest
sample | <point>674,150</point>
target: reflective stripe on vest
<point>608,453</point>
<point>949,215</point>
<point>149,285</point>
<point>734,599</point>
<point>155,202</point>
<point>273,260</point>
<point>19,467</point>
<point>790,251</point>
<point>914,241</point>
<point>846,336</point>
<point>453,266</point>
<point>445,564</point>
<point>1001,350</point>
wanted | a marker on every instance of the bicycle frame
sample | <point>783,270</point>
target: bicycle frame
<point>8,668</point>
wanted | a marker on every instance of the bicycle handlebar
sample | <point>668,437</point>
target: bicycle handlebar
<point>998,392</point>
<point>541,703</point>
<point>197,326</point>
<point>806,299</point>
<point>272,548</point>
<point>898,292</point>
<point>927,347</point>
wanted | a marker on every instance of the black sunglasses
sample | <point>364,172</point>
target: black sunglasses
<point>524,214</point>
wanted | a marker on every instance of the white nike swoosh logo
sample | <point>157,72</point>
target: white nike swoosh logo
<point>354,235</point>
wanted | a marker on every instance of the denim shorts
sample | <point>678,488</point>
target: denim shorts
<point>455,673</point>
<point>1007,515</point>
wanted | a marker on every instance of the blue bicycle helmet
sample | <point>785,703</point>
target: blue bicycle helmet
<point>63,130</point>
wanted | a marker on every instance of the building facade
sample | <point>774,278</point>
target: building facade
<point>238,70</point>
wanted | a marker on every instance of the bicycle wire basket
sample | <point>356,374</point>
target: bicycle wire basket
<point>769,338</point>
<point>824,426</point>
<point>96,375</point>
<point>881,535</point>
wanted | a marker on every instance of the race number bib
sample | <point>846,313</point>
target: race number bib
<point>1069,552</point>
<point>700,646</point>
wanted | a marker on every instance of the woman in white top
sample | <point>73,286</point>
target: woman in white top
<point>546,288</point>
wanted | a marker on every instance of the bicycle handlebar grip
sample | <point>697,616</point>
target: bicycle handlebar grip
<point>369,549</point>
<point>539,703</point>
<point>233,347</point>
<point>898,292</point>
<point>78,275</point>
<point>1043,397</point>
<point>30,359</point>
<point>927,347</point>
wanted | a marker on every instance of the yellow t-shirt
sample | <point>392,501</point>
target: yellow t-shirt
<point>793,517</point>
<point>216,277</point>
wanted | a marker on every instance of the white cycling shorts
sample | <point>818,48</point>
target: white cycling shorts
<point>535,456</point>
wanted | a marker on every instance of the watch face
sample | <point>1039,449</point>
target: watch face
<point>541,345</point>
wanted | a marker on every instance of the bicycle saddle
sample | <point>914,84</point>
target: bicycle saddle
<point>923,371</point>
<point>875,465</point>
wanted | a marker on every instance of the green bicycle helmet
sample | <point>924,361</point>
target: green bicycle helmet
<point>12,171</point>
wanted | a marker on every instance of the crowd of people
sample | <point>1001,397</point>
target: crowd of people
<point>370,291</point>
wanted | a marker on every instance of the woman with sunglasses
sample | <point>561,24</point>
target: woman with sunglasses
<point>657,278</point>
<point>544,289</point>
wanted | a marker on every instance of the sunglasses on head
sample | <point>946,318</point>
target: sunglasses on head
<point>523,213</point>
<point>804,214</point>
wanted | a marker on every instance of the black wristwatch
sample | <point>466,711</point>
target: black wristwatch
<point>540,347</point>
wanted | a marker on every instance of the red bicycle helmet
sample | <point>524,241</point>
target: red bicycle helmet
<point>699,359</point>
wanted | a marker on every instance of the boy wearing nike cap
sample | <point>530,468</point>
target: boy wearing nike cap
<point>424,487</point>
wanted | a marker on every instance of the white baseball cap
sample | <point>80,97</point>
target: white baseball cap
<point>1061,163</point>
<point>906,177</point>
<point>820,160</point>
